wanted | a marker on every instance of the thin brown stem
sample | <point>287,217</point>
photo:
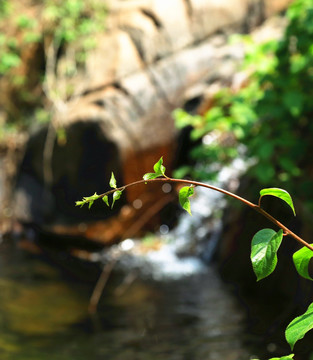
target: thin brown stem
<point>181,181</point>
<point>282,226</point>
<point>225,192</point>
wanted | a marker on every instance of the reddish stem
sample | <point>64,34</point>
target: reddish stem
<point>225,192</point>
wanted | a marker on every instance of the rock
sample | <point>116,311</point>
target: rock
<point>146,65</point>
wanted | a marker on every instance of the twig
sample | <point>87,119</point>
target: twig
<point>98,289</point>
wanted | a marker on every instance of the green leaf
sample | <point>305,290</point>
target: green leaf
<point>116,195</point>
<point>80,203</point>
<point>287,357</point>
<point>299,327</point>
<point>150,176</point>
<point>106,200</point>
<point>93,197</point>
<point>184,193</point>
<point>113,181</point>
<point>301,259</point>
<point>265,245</point>
<point>279,193</point>
<point>293,101</point>
<point>87,200</point>
<point>159,168</point>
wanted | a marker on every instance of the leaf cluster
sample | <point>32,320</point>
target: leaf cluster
<point>159,170</point>
<point>89,200</point>
<point>264,248</point>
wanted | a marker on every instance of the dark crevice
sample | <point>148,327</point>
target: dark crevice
<point>119,87</point>
<point>189,10</point>
<point>101,103</point>
<point>93,90</point>
<point>136,103</point>
<point>152,17</point>
<point>136,36</point>
<point>255,16</point>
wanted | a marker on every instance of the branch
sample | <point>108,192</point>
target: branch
<point>225,192</point>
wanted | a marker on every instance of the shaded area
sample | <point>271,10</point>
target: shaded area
<point>80,166</point>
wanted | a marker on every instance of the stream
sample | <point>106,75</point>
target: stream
<point>44,315</point>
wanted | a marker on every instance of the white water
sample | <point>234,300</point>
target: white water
<point>188,248</point>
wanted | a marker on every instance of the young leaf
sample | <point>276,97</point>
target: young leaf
<point>93,197</point>
<point>264,247</point>
<point>150,176</point>
<point>299,327</point>
<point>184,193</point>
<point>159,168</point>
<point>116,195</point>
<point>301,259</point>
<point>106,200</point>
<point>87,200</point>
<point>80,203</point>
<point>287,357</point>
<point>113,181</point>
<point>279,193</point>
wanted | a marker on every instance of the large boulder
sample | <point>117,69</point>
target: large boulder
<point>154,57</point>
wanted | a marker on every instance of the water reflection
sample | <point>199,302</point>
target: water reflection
<point>44,316</point>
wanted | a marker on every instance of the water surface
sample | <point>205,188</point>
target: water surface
<point>44,314</point>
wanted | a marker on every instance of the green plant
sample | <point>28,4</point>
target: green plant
<point>264,245</point>
<point>270,116</point>
<point>60,34</point>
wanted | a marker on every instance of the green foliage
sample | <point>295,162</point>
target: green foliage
<point>112,182</point>
<point>5,9</point>
<point>288,357</point>
<point>301,259</point>
<point>264,247</point>
<point>64,22</point>
<point>117,192</point>
<point>74,21</point>
<point>270,117</point>
<point>159,170</point>
<point>57,24</point>
<point>105,199</point>
<point>88,200</point>
<point>299,327</point>
<point>279,193</point>
<point>184,194</point>
<point>116,195</point>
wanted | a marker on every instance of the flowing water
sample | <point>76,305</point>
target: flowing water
<point>44,316</point>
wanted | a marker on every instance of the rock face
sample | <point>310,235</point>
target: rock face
<point>155,52</point>
<point>154,56</point>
